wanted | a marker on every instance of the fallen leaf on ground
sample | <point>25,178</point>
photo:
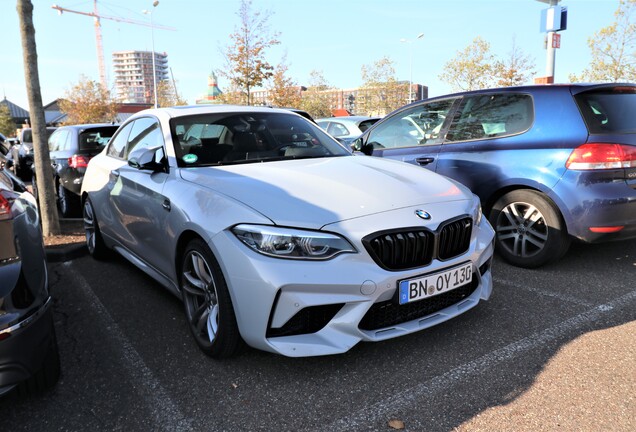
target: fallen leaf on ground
<point>396,424</point>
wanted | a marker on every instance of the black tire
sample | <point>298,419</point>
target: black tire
<point>48,375</point>
<point>15,163</point>
<point>67,202</point>
<point>34,188</point>
<point>94,241</point>
<point>530,231</point>
<point>207,302</point>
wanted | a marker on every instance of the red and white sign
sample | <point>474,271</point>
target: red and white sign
<point>556,40</point>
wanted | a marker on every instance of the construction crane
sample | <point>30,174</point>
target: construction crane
<point>98,33</point>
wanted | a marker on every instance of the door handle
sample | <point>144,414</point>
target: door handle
<point>166,204</point>
<point>424,160</point>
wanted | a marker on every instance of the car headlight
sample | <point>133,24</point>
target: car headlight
<point>477,215</point>
<point>292,243</point>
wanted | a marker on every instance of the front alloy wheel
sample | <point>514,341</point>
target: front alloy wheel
<point>530,231</point>
<point>207,302</point>
<point>94,242</point>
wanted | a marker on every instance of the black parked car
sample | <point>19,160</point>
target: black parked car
<point>29,359</point>
<point>71,147</point>
<point>22,153</point>
<point>5,145</point>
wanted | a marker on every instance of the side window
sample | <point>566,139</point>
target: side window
<point>64,142</point>
<point>145,133</point>
<point>419,125</point>
<point>58,141</point>
<point>117,145</point>
<point>491,116</point>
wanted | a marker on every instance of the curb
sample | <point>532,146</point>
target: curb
<point>70,251</point>
<point>66,252</point>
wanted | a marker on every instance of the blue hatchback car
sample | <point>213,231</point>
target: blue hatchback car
<point>549,163</point>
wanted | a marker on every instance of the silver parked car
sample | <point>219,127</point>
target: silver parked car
<point>347,128</point>
<point>251,217</point>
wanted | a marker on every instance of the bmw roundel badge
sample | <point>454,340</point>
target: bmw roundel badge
<point>423,214</point>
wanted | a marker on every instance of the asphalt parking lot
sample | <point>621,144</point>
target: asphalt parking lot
<point>553,349</point>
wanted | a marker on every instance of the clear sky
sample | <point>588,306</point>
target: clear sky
<point>336,37</point>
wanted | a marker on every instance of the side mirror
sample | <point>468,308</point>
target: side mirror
<point>148,159</point>
<point>356,145</point>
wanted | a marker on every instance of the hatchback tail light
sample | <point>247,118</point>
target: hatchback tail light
<point>78,161</point>
<point>5,205</point>
<point>599,156</point>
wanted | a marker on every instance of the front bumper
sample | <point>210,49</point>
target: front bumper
<point>311,308</point>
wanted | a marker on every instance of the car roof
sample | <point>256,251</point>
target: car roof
<point>187,110</point>
<point>347,119</point>
<point>89,126</point>
<point>574,88</point>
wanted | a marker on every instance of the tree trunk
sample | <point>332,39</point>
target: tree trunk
<point>41,158</point>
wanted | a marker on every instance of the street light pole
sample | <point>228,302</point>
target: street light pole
<point>419,36</point>
<point>152,33</point>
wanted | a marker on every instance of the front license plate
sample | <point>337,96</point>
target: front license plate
<point>431,285</point>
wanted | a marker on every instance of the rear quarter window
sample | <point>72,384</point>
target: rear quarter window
<point>609,110</point>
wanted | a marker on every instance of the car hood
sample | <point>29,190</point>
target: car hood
<point>316,192</point>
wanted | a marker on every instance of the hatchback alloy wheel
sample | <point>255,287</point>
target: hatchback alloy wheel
<point>530,231</point>
<point>62,200</point>
<point>207,302</point>
<point>522,229</point>
<point>66,201</point>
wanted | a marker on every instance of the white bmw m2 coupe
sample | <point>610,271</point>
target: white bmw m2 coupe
<point>275,235</point>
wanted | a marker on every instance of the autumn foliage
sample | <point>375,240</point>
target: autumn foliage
<point>88,102</point>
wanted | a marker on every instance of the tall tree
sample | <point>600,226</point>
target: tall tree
<point>283,90</point>
<point>167,94</point>
<point>613,48</point>
<point>88,102</point>
<point>515,69</point>
<point>316,100</point>
<point>472,68</point>
<point>231,95</point>
<point>7,125</point>
<point>381,93</point>
<point>246,64</point>
<point>42,161</point>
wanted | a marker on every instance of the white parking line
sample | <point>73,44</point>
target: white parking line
<point>544,292</point>
<point>165,413</point>
<point>382,409</point>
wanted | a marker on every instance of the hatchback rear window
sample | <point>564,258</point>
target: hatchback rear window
<point>609,110</point>
<point>96,139</point>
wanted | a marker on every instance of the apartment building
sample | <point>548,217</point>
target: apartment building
<point>134,75</point>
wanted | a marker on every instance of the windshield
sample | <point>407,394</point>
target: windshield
<point>27,135</point>
<point>229,138</point>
